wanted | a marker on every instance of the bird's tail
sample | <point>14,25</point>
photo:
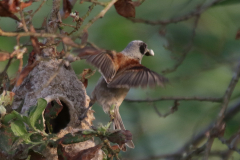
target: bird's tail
<point>118,124</point>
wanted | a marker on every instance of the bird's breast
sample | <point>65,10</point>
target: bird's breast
<point>106,96</point>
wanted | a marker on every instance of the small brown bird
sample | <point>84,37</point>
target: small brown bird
<point>120,71</point>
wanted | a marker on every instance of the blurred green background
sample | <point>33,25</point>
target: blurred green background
<point>206,71</point>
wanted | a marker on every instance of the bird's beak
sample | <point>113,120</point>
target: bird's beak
<point>149,52</point>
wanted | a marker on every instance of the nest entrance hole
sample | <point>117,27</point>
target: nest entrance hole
<point>56,117</point>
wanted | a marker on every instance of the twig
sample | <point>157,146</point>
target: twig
<point>172,110</point>
<point>95,2</point>
<point>40,6</point>
<point>221,116</point>
<point>195,152</point>
<point>69,25</point>
<point>6,67</point>
<point>44,35</point>
<point>100,15</point>
<point>186,51</point>
<point>199,137</point>
<point>81,20</point>
<point>230,147</point>
<point>23,21</point>
<point>197,11</point>
<point>196,98</point>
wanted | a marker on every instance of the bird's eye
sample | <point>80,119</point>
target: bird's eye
<point>142,48</point>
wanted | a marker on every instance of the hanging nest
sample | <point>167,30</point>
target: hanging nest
<point>58,84</point>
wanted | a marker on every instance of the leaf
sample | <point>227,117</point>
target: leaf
<point>7,8</point>
<point>136,3</point>
<point>16,5</point>
<point>6,139</point>
<point>19,130</point>
<point>120,137</point>
<point>7,118</point>
<point>52,110</point>
<point>3,111</point>
<point>6,98</point>
<point>78,137</point>
<point>89,132</point>
<point>87,73</point>
<point>125,8</point>
<point>67,8</point>
<point>4,12</point>
<point>85,154</point>
<point>37,112</point>
<point>238,35</point>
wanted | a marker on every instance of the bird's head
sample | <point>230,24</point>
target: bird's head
<point>137,49</point>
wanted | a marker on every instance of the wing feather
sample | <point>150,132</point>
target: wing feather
<point>102,60</point>
<point>137,76</point>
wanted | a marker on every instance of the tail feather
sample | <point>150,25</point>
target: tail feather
<point>118,124</point>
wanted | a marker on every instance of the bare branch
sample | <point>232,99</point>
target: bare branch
<point>40,6</point>
<point>23,21</point>
<point>221,116</point>
<point>171,111</point>
<point>186,51</point>
<point>95,2</point>
<point>198,138</point>
<point>196,12</point>
<point>100,15</point>
<point>195,98</point>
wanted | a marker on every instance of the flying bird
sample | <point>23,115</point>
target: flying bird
<point>120,72</point>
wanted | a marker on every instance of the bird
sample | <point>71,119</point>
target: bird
<point>120,71</point>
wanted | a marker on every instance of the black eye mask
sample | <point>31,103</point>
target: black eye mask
<point>142,48</point>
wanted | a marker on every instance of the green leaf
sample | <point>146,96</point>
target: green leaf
<point>18,128</point>
<point>6,98</point>
<point>88,131</point>
<point>39,124</point>
<point>78,137</point>
<point>2,110</point>
<point>103,129</point>
<point>227,2</point>
<point>7,118</point>
<point>6,139</point>
<point>37,112</point>
<point>22,118</point>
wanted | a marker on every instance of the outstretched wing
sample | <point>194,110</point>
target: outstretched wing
<point>137,76</point>
<point>103,60</point>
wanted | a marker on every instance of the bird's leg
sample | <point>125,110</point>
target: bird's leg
<point>84,114</point>
<point>111,114</point>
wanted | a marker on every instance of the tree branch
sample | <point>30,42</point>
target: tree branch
<point>221,116</point>
<point>196,12</point>
<point>195,98</point>
<point>232,111</point>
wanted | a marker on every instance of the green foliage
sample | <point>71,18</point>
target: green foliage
<point>36,113</point>
<point>6,98</point>
<point>6,139</point>
<point>22,129</point>
<point>28,131</point>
